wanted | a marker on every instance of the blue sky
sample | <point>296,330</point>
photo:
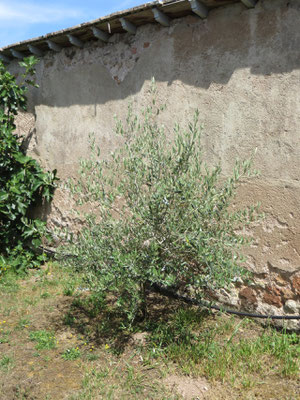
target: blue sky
<point>26,19</point>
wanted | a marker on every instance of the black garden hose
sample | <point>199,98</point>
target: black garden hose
<point>188,300</point>
<point>169,293</point>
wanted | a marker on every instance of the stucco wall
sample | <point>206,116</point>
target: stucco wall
<point>241,69</point>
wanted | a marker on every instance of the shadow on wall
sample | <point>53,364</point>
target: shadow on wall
<point>265,40</point>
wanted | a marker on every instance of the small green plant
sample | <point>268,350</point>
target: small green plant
<point>23,323</point>
<point>6,363</point>
<point>71,354</point>
<point>23,183</point>
<point>92,356</point>
<point>4,336</point>
<point>69,319</point>
<point>45,295</point>
<point>45,340</point>
<point>160,215</point>
<point>31,301</point>
<point>69,289</point>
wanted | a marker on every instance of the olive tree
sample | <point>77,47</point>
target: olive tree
<point>158,214</point>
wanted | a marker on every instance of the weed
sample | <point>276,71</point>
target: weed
<point>31,301</point>
<point>4,336</point>
<point>45,340</point>
<point>247,383</point>
<point>91,357</point>
<point>70,285</point>
<point>23,323</point>
<point>69,319</point>
<point>6,363</point>
<point>71,354</point>
<point>69,289</point>
<point>45,295</point>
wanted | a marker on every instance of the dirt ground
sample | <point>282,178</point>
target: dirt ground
<point>81,360</point>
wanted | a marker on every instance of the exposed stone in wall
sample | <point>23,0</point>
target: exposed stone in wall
<point>119,56</point>
<point>248,298</point>
<point>272,296</point>
<point>25,129</point>
<point>296,284</point>
<point>271,300</point>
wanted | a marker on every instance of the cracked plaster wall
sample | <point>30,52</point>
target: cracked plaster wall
<point>241,69</point>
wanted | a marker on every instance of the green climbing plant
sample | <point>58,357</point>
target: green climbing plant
<point>22,180</point>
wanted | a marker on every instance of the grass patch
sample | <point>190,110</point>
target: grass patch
<point>122,381</point>
<point>71,354</point>
<point>45,340</point>
<point>6,363</point>
<point>224,348</point>
<point>8,283</point>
